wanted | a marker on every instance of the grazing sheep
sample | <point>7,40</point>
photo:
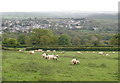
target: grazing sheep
<point>54,57</point>
<point>32,52</point>
<point>106,54</point>
<point>63,52</point>
<point>101,53</point>
<point>44,55</point>
<point>36,50</point>
<point>48,51</point>
<point>20,50</point>
<point>54,50</point>
<point>75,61</point>
<point>113,52</point>
<point>79,52</point>
<point>93,51</point>
<point>40,50</point>
<point>50,56</point>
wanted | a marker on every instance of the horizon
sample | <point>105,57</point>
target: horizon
<point>58,6</point>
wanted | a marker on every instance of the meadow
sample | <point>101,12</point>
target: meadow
<point>22,66</point>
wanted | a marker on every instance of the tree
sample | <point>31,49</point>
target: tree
<point>115,40</point>
<point>21,39</point>
<point>76,41</point>
<point>64,40</point>
<point>10,42</point>
<point>41,37</point>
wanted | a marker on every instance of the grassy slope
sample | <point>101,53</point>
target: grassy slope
<point>27,67</point>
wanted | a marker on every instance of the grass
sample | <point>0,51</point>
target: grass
<point>22,66</point>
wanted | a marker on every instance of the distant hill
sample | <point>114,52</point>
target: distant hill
<point>59,15</point>
<point>103,16</point>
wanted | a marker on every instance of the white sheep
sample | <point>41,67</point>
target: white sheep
<point>106,54</point>
<point>101,53</point>
<point>63,52</point>
<point>32,52</point>
<point>54,50</point>
<point>113,52</point>
<point>54,57</point>
<point>75,61</point>
<point>43,55</point>
<point>79,52</point>
<point>50,56</point>
<point>20,50</point>
<point>93,51</point>
<point>48,51</point>
<point>40,50</point>
<point>36,50</point>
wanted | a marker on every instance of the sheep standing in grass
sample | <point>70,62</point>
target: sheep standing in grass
<point>48,51</point>
<point>75,61</point>
<point>50,56</point>
<point>113,52</point>
<point>79,52</point>
<point>54,50</point>
<point>40,50</point>
<point>54,57</point>
<point>101,53</point>
<point>32,52</point>
<point>63,52</point>
<point>44,55</point>
<point>93,51</point>
<point>20,50</point>
<point>106,54</point>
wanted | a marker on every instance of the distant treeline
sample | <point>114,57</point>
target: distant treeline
<point>49,38</point>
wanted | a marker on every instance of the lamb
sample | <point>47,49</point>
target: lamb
<point>44,55</point>
<point>48,50</point>
<point>101,53</point>
<point>20,50</point>
<point>79,52</point>
<point>50,56</point>
<point>54,57</point>
<point>113,52</point>
<point>106,54</point>
<point>54,50</point>
<point>75,61</point>
<point>32,52</point>
<point>93,51</point>
<point>40,50</point>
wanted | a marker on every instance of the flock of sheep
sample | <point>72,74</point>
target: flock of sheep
<point>55,57</point>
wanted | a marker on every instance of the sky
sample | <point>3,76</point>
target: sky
<point>58,5</point>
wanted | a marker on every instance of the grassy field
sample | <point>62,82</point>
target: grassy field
<point>22,66</point>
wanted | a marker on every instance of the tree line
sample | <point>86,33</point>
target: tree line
<point>47,37</point>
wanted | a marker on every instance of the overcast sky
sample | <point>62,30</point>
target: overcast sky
<point>58,5</point>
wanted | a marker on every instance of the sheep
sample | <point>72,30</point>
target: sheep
<point>63,52</point>
<point>93,51</point>
<point>113,52</point>
<point>54,50</point>
<point>50,56</point>
<point>43,55</point>
<point>101,53</point>
<point>75,61</point>
<point>106,54</point>
<point>36,50</point>
<point>54,57</point>
<point>40,50</point>
<point>79,52</point>
<point>48,50</point>
<point>32,52</point>
<point>20,50</point>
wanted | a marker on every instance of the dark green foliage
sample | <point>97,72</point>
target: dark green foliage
<point>64,40</point>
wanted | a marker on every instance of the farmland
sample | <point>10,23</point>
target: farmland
<point>22,66</point>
